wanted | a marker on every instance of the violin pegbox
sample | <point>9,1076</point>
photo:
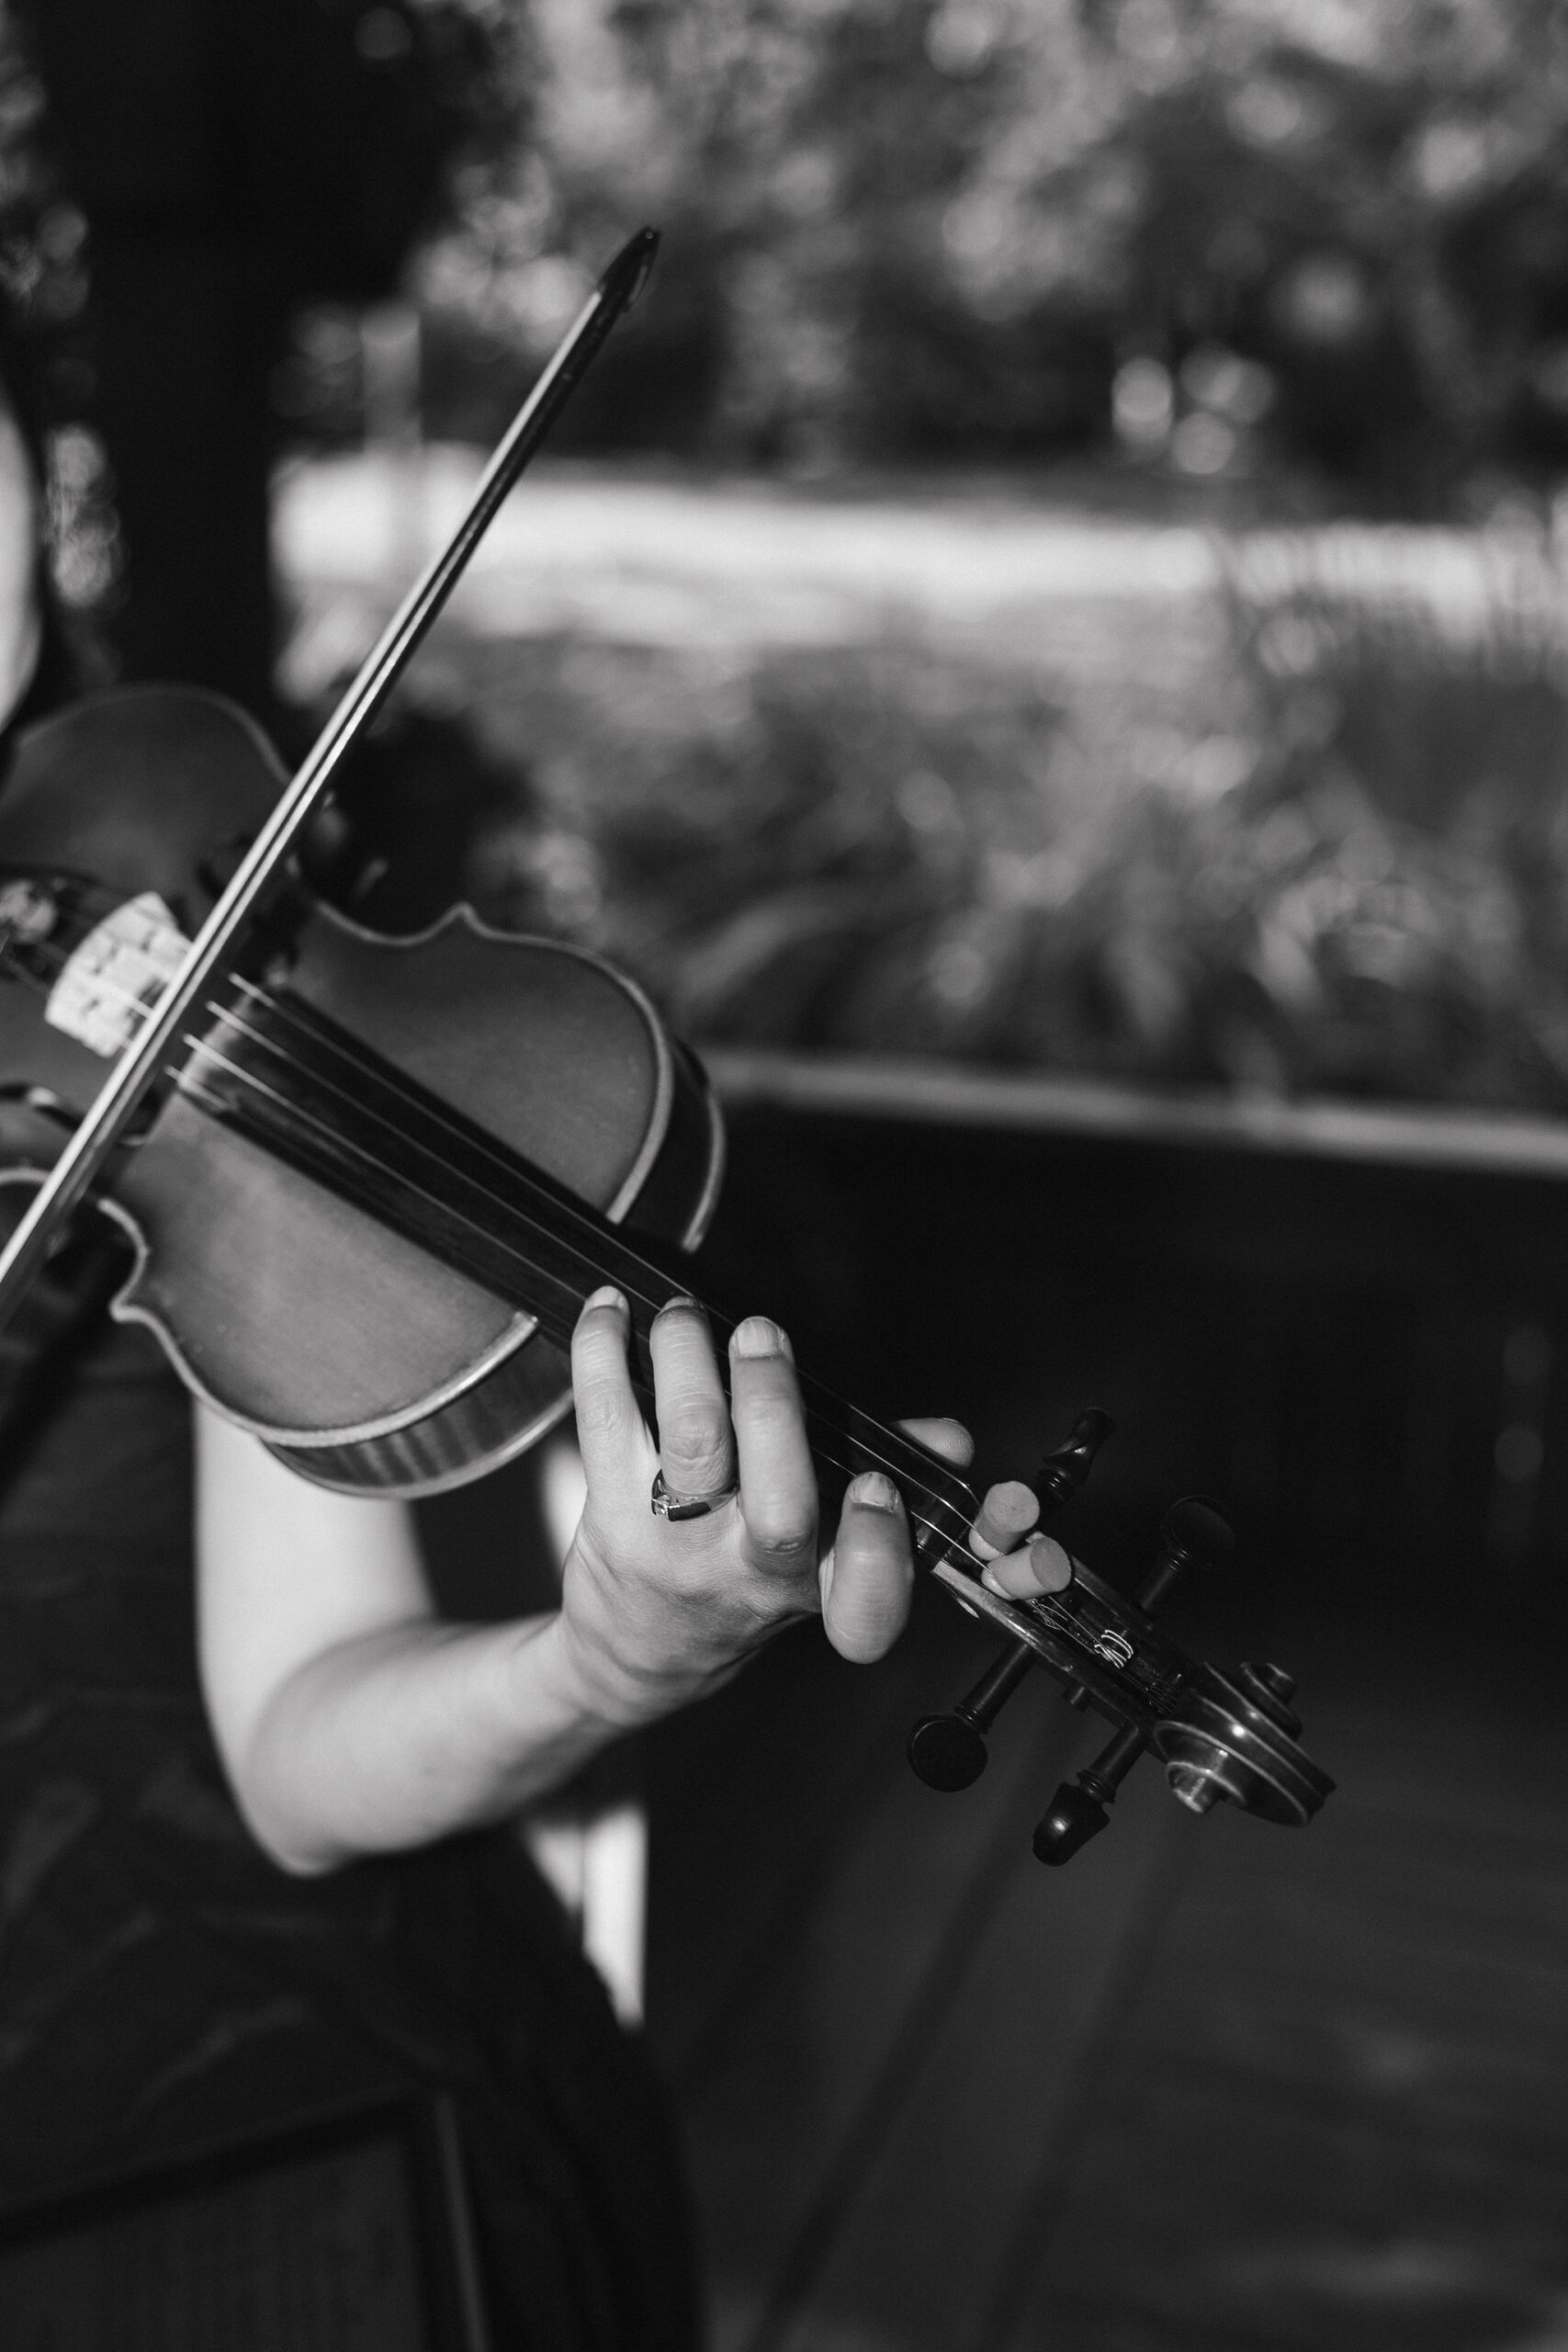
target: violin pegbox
<point>1222,1733</point>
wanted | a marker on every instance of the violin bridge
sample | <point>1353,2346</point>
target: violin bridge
<point>111,981</point>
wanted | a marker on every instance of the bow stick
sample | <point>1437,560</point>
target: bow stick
<point>81,1162</point>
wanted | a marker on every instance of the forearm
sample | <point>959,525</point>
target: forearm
<point>407,1733</point>
<point>352,1719</point>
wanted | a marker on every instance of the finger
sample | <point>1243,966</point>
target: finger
<point>1040,1567</point>
<point>697,1452</point>
<point>610,1428</point>
<point>778,1485</point>
<point>1005,1518</point>
<point>867,1576</point>
<point>950,1439</point>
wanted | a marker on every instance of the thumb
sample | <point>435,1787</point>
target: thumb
<point>866,1577</point>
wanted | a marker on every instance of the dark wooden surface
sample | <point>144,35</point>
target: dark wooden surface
<point>1216,2083</point>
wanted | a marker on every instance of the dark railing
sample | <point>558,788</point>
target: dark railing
<point>1348,1324</point>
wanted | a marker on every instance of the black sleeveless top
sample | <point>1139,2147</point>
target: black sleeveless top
<point>164,1986</point>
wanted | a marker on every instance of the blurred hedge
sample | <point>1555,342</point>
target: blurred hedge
<point>1331,858</point>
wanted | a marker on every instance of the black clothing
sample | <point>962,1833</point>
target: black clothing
<point>163,1987</point>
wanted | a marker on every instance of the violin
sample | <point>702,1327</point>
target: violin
<point>369,1182</point>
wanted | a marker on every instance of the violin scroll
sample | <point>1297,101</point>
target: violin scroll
<point>1223,1733</point>
<point>1234,1736</point>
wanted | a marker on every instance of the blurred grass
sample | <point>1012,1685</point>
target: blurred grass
<point>1317,845</point>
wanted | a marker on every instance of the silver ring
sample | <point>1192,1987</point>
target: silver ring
<point>665,1503</point>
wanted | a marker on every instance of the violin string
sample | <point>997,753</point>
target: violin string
<point>430,1105</point>
<point>633,1274</point>
<point>288,1018</point>
<point>825,1442</point>
<point>208,1058</point>
<point>141,1011</point>
<point>646,1286</point>
<point>274,1008</point>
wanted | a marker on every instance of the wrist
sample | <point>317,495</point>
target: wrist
<point>619,1691</point>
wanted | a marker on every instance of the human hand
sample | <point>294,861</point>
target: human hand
<point>657,1610</point>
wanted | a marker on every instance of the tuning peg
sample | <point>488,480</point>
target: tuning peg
<point>949,1751</point>
<point>1193,1534</point>
<point>1078,1811</point>
<point>1062,1474</point>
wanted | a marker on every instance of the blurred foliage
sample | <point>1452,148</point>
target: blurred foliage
<point>917,228</point>
<point>1339,864</point>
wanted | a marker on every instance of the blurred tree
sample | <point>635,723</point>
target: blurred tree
<point>904,227</point>
<point>42,292</point>
<point>227,158</point>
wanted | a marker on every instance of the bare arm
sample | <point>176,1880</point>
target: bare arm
<point>353,1720</point>
<point>20,628</point>
<point>350,1717</point>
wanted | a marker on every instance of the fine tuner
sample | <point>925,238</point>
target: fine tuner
<point>1221,1733</point>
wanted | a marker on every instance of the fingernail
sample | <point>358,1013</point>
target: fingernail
<point>758,1337</point>
<point>874,1489</point>
<point>1052,1567</point>
<point>1006,1516</point>
<point>1041,1565</point>
<point>606,1297</point>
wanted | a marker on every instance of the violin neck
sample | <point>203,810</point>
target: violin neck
<point>302,1089</point>
<point>942,1507</point>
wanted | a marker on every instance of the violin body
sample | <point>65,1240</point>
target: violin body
<point>365,1360</point>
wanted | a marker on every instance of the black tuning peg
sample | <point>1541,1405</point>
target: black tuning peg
<point>1078,1811</point>
<point>1063,1472</point>
<point>949,1751</point>
<point>1193,1534</point>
